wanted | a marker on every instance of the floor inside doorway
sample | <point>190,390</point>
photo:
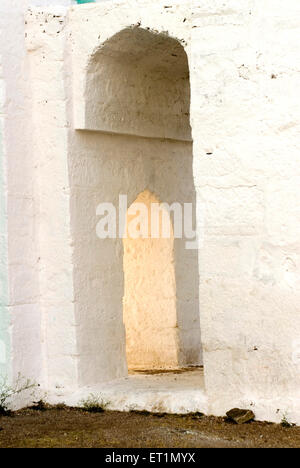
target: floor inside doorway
<point>178,391</point>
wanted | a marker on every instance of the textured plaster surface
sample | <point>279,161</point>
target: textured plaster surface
<point>162,393</point>
<point>4,314</point>
<point>144,87</point>
<point>245,151</point>
<point>88,287</point>
<point>244,74</point>
<point>21,320</point>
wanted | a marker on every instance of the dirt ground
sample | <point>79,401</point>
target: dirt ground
<point>70,428</point>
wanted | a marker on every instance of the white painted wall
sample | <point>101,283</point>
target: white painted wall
<point>24,320</point>
<point>244,79</point>
<point>5,341</point>
<point>81,298</point>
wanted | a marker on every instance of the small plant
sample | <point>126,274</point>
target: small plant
<point>60,406</point>
<point>40,405</point>
<point>285,422</point>
<point>7,392</point>
<point>94,404</point>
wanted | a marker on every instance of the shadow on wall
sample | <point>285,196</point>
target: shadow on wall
<point>137,110</point>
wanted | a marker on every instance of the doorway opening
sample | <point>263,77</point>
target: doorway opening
<point>149,304</point>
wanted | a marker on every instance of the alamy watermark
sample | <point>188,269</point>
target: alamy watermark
<point>157,221</point>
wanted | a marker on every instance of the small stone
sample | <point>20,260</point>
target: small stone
<point>240,416</point>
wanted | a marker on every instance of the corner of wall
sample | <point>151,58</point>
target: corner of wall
<point>5,339</point>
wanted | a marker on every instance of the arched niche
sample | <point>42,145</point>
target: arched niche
<point>138,84</point>
<point>137,103</point>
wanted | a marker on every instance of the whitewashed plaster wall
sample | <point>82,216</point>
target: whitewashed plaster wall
<point>244,64</point>
<point>86,334</point>
<point>20,295</point>
<point>4,314</point>
<point>244,121</point>
<point>245,59</point>
<point>21,334</point>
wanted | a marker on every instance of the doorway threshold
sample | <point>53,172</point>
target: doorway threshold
<point>179,391</point>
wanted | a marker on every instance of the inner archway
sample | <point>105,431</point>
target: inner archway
<point>149,305</point>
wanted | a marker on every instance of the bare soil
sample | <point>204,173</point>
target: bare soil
<point>68,427</point>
